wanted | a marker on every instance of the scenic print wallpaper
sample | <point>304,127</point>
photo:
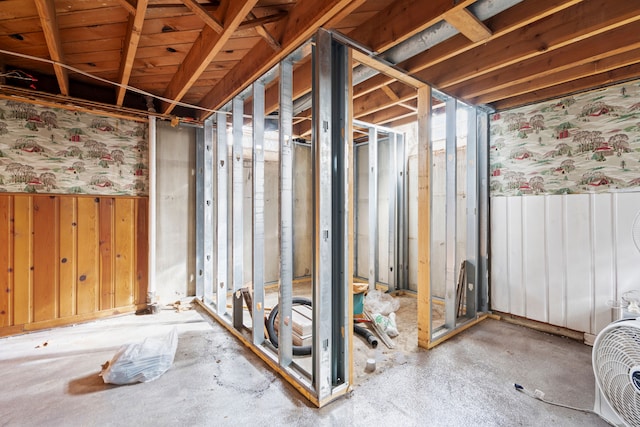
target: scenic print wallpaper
<point>584,143</point>
<point>52,150</point>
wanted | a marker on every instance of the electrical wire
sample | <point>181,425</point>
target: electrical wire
<point>127,87</point>
<point>539,395</point>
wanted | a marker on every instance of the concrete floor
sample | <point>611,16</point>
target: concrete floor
<point>215,381</point>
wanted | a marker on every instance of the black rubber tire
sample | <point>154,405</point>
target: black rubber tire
<point>273,336</point>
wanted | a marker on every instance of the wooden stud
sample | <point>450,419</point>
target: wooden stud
<point>424,217</point>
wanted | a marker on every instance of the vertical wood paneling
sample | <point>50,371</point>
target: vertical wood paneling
<point>141,250</point>
<point>6,260</point>
<point>68,254</point>
<point>88,252</point>
<point>107,291</point>
<point>517,294</point>
<point>603,257</point>
<point>555,252</point>
<point>535,277</point>
<point>499,248</point>
<point>579,266</point>
<point>68,257</point>
<point>23,260</point>
<point>124,252</point>
<point>45,258</point>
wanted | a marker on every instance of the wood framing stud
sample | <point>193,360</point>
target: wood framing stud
<point>467,23</point>
<point>49,22</point>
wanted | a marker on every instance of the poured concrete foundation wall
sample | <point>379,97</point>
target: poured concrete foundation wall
<point>175,244</point>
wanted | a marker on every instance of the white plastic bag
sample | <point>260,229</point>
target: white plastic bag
<point>380,302</point>
<point>141,361</point>
<point>387,324</point>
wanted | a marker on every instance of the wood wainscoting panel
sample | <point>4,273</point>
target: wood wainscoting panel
<point>70,258</point>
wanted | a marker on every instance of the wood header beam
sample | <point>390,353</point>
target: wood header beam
<point>134,31</point>
<point>49,22</point>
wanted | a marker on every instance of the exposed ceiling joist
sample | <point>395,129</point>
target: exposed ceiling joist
<point>128,6</point>
<point>386,69</point>
<point>467,23</point>
<point>265,34</point>
<point>49,22</point>
<point>204,14</point>
<point>205,48</point>
<point>401,20</point>
<point>134,31</point>
<point>303,21</point>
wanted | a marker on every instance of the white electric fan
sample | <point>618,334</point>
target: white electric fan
<point>616,365</point>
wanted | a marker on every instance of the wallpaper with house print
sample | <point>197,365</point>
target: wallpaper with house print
<point>51,150</point>
<point>580,144</point>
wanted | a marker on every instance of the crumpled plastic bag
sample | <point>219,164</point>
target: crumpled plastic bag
<point>380,302</point>
<point>141,361</point>
<point>387,324</point>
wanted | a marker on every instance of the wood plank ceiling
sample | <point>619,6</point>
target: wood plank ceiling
<point>193,56</point>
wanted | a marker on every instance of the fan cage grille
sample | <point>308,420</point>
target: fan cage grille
<point>616,353</point>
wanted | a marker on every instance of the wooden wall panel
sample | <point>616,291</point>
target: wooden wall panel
<point>124,252</point>
<point>68,226</point>
<point>22,259</point>
<point>45,258</point>
<point>6,274</point>
<point>69,258</point>
<point>88,263</point>
<point>106,254</point>
<point>142,250</point>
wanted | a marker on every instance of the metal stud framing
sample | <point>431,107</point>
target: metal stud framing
<point>373,207</point>
<point>237,209</point>
<point>200,212</point>
<point>331,284</point>
<point>208,210</point>
<point>471,267</point>
<point>482,279</point>
<point>286,213</point>
<point>258,214</point>
<point>221,215</point>
<point>451,215</point>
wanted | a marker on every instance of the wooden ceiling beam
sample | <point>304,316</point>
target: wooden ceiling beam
<point>467,23</point>
<point>400,20</point>
<point>574,86</point>
<point>134,31</point>
<point>596,67</point>
<point>49,22</point>
<point>205,48</point>
<point>386,69</point>
<point>128,6</point>
<point>204,14</point>
<point>265,34</point>
<point>303,21</point>
<point>534,72</point>
<point>502,24</point>
<point>580,22</point>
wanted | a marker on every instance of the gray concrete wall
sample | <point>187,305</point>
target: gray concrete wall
<point>175,244</point>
